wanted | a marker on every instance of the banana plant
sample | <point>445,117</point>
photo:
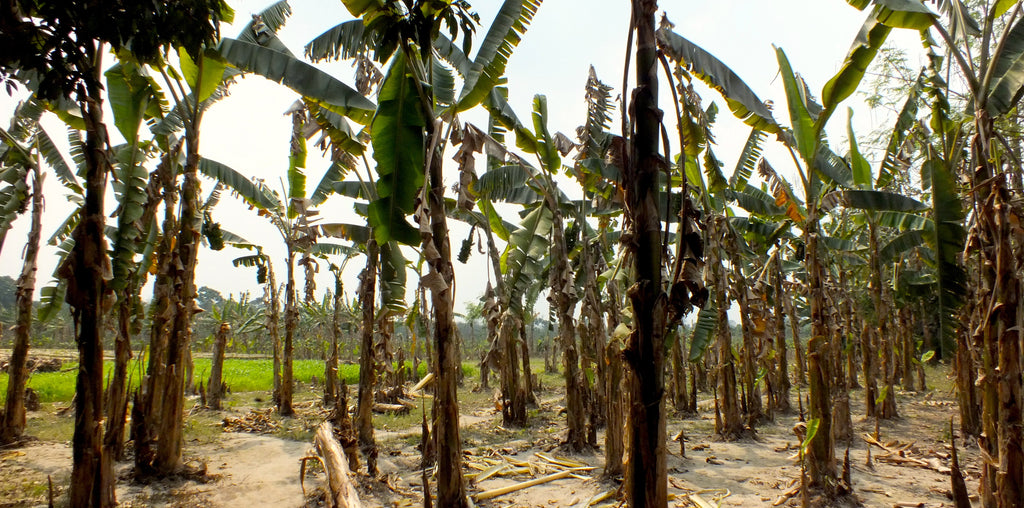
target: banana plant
<point>805,141</point>
<point>415,89</point>
<point>995,85</point>
<point>17,160</point>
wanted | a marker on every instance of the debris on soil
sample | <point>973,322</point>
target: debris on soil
<point>393,400</point>
<point>547,469</point>
<point>37,365</point>
<point>907,454</point>
<point>255,422</point>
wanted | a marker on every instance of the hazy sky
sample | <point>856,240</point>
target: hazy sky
<point>250,132</point>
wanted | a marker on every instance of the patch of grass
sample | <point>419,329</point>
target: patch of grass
<point>203,427</point>
<point>400,422</point>
<point>50,386</point>
<point>47,425</point>
<point>240,374</point>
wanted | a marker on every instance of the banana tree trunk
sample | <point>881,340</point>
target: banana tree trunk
<point>129,320</point>
<point>782,383</point>
<point>909,349</point>
<point>729,422</point>
<point>331,370</point>
<point>117,393</point>
<point>646,472</point>
<point>215,385</point>
<point>182,272</point>
<point>561,287</point>
<point>966,386</point>
<point>272,324</point>
<point>513,404</point>
<point>149,400</point>
<point>85,269</point>
<point>615,416</point>
<point>883,341</point>
<point>593,310</point>
<point>853,335</point>
<point>524,349</point>
<point>1001,323</point>
<point>820,452</point>
<point>794,329</point>
<point>752,395</point>
<point>367,361</point>
<point>12,425</point>
<point>451,489</point>
<point>291,318</point>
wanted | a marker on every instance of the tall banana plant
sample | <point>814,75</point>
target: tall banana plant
<point>416,88</point>
<point>17,160</point>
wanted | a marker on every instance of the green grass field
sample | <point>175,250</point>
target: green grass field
<point>241,375</point>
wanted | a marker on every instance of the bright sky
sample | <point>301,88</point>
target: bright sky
<point>250,132</point>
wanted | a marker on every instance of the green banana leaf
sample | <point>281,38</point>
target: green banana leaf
<point>254,194</point>
<point>488,67</point>
<point>299,76</point>
<point>911,14</point>
<point>741,99</point>
<point>398,148</point>
<point>1008,73</point>
<point>869,40</point>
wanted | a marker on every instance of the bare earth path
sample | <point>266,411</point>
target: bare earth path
<point>249,470</point>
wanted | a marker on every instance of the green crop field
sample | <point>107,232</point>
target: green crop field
<point>241,375</point>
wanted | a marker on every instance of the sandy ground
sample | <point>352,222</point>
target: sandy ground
<point>248,470</point>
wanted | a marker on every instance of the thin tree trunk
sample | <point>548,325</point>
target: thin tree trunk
<point>367,362</point>
<point>331,370</point>
<point>782,373</point>
<point>882,340</point>
<point>798,349</point>
<point>524,348</point>
<point>12,425</point>
<point>678,377</point>
<point>909,349</point>
<point>273,319</point>
<point>117,392</point>
<point>729,425</point>
<point>967,392</point>
<point>616,417</point>
<point>291,318</point>
<point>752,395</point>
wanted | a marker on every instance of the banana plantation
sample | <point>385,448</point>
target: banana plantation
<point>834,319</point>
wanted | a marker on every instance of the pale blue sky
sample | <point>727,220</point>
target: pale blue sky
<point>249,131</point>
